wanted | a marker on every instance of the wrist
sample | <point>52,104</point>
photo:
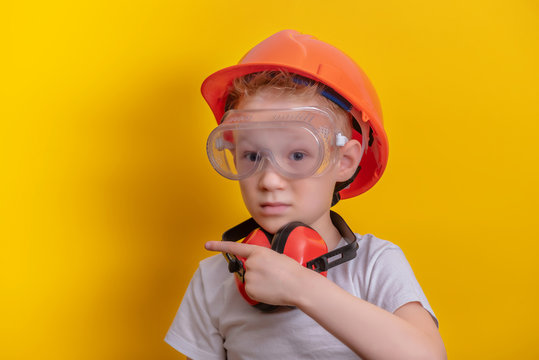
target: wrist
<point>307,281</point>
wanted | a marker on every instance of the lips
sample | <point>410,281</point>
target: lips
<point>274,208</point>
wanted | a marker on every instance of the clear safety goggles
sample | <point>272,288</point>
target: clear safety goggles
<point>298,142</point>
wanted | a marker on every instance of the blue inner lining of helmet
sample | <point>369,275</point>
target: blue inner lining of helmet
<point>327,92</point>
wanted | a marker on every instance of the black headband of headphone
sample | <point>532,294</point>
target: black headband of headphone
<point>319,264</point>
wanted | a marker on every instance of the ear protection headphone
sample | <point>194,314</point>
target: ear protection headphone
<point>296,240</point>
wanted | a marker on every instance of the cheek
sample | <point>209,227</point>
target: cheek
<point>247,189</point>
<point>322,188</point>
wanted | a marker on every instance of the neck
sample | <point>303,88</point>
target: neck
<point>328,231</point>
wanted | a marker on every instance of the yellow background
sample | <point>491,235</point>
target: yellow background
<point>106,195</point>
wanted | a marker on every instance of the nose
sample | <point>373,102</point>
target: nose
<point>270,179</point>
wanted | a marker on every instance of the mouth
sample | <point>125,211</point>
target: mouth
<point>274,208</point>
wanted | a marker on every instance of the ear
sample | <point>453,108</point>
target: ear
<point>350,154</point>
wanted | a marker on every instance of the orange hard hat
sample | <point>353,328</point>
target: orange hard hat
<point>309,57</point>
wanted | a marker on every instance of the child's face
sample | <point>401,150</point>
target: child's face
<point>274,200</point>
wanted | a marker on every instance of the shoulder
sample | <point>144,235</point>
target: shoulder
<point>213,263</point>
<point>372,247</point>
<point>208,281</point>
<point>194,329</point>
<point>370,250</point>
<point>377,263</point>
<point>212,272</point>
<point>381,274</point>
<point>356,275</point>
<point>378,256</point>
<point>381,254</point>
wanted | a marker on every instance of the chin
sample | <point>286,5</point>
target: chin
<point>272,225</point>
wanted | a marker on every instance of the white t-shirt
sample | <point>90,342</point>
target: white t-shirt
<point>215,322</point>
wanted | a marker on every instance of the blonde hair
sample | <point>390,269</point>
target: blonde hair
<point>281,82</point>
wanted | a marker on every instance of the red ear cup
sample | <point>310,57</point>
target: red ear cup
<point>257,237</point>
<point>300,242</point>
<point>296,240</point>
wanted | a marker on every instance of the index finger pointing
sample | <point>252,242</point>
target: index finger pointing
<point>238,249</point>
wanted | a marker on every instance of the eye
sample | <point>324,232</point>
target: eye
<point>251,156</point>
<point>297,156</point>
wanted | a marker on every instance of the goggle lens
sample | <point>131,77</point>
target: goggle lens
<point>296,149</point>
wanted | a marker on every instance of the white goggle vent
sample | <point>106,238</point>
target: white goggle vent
<point>341,140</point>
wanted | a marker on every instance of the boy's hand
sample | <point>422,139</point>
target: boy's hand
<point>276,279</point>
<point>270,277</point>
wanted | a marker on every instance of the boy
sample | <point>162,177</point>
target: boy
<point>300,127</point>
